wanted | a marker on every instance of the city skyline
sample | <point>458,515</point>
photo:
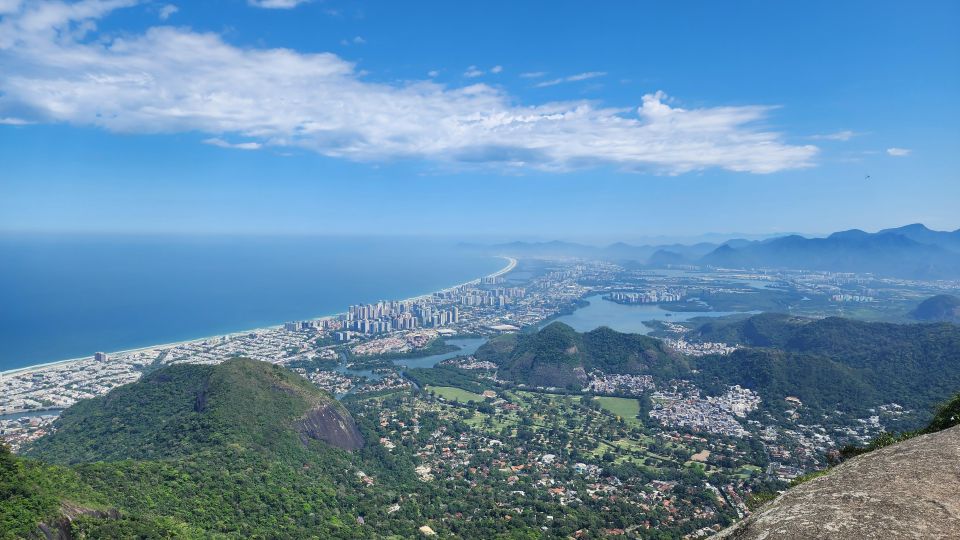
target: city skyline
<point>331,118</point>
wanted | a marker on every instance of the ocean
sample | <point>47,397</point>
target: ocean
<point>67,296</point>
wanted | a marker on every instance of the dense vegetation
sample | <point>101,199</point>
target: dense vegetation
<point>837,364</point>
<point>831,364</point>
<point>245,448</point>
<point>943,307</point>
<point>558,356</point>
<point>446,376</point>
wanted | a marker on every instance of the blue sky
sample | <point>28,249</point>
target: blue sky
<point>497,119</point>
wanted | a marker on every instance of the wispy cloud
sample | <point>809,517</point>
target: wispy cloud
<point>166,11</point>
<point>533,74</point>
<point>571,78</point>
<point>898,152</point>
<point>55,68</point>
<point>10,121</point>
<point>357,40</point>
<point>844,135</point>
<point>473,72</point>
<point>216,141</point>
<point>276,4</point>
<point>496,69</point>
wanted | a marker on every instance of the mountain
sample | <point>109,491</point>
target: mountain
<point>836,363</point>
<point>919,232</point>
<point>241,449</point>
<point>832,364</point>
<point>558,356</point>
<point>885,253</point>
<point>943,307</point>
<point>617,252</point>
<point>186,409</point>
<point>906,490</point>
<point>664,257</point>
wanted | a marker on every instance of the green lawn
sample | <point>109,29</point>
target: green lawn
<point>455,394</point>
<point>626,408</point>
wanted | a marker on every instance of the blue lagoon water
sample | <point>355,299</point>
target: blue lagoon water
<point>69,296</point>
<point>626,317</point>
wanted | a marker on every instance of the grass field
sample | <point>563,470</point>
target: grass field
<point>626,408</point>
<point>455,394</point>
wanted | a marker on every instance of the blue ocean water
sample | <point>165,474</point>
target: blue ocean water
<point>69,296</point>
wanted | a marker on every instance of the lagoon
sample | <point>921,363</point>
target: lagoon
<point>627,317</point>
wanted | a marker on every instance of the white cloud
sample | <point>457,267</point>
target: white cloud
<point>11,121</point>
<point>898,152</point>
<point>217,141</point>
<point>276,4</point>
<point>533,74</point>
<point>433,73</point>
<point>172,80</point>
<point>473,72</point>
<point>167,10</point>
<point>496,69</point>
<point>844,135</point>
<point>572,78</point>
<point>9,6</point>
<point>357,40</point>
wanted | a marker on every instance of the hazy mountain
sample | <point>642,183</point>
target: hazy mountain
<point>883,253</point>
<point>943,307</point>
<point>619,251</point>
<point>919,232</point>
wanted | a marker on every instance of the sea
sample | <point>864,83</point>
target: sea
<point>68,296</point>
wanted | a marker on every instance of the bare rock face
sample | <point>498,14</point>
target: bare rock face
<point>331,424</point>
<point>907,490</point>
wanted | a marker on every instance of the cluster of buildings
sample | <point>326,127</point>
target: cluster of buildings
<point>700,348</point>
<point>384,317</point>
<point>515,471</point>
<point>851,298</point>
<point>396,343</point>
<point>683,407</point>
<point>18,431</point>
<point>607,383</point>
<point>651,296</point>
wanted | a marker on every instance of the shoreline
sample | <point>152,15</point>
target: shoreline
<point>511,264</point>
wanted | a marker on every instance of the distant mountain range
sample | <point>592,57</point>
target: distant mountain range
<point>912,252</point>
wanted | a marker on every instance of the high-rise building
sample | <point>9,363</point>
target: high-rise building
<point>101,356</point>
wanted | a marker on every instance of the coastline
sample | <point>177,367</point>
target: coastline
<point>511,264</point>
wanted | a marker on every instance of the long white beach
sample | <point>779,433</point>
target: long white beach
<point>511,264</point>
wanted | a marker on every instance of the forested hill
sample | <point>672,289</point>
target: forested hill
<point>831,364</point>
<point>187,409</point>
<point>558,356</point>
<point>243,449</point>
<point>943,307</point>
<point>836,363</point>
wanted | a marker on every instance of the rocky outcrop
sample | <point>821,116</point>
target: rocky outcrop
<point>60,528</point>
<point>907,490</point>
<point>332,424</point>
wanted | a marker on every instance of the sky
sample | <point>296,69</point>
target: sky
<point>547,120</point>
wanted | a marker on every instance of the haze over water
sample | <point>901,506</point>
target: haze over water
<point>69,296</point>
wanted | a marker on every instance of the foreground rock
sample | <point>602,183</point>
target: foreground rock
<point>907,490</point>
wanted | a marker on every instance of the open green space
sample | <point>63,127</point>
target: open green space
<point>626,408</point>
<point>454,394</point>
